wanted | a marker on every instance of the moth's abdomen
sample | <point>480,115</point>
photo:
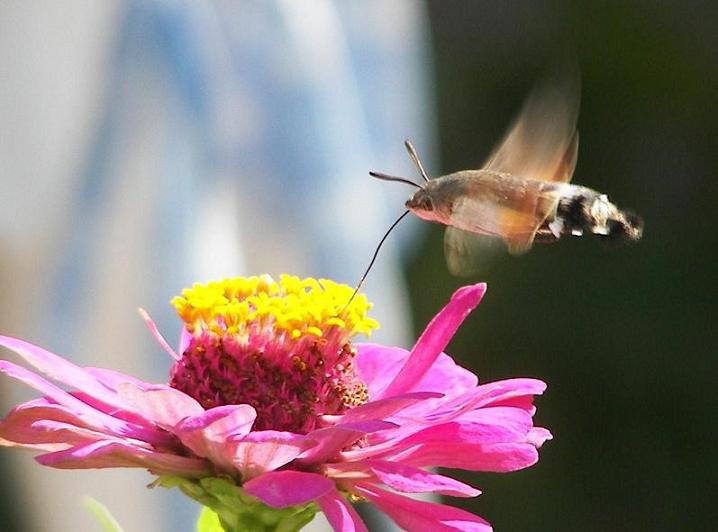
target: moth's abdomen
<point>582,209</point>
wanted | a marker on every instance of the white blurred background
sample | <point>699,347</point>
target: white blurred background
<point>146,145</point>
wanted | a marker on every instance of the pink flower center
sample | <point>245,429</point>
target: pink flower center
<point>286,353</point>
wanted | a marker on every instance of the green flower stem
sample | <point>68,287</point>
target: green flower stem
<point>228,508</point>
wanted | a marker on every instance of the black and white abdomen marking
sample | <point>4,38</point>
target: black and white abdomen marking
<point>581,209</point>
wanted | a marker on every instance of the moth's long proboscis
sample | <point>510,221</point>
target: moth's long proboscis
<point>373,259</point>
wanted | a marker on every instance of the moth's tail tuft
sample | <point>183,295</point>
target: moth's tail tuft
<point>625,227</point>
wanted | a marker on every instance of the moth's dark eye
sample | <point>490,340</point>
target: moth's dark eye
<point>420,202</point>
<point>426,204</point>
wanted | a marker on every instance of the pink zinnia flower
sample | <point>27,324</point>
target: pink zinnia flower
<point>271,414</point>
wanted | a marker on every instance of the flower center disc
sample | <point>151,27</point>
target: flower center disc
<point>282,347</point>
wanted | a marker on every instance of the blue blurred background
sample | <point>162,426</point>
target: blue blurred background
<point>145,145</point>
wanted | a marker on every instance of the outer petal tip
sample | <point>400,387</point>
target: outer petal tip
<point>471,294</point>
<point>435,338</point>
<point>156,333</point>
<point>537,436</point>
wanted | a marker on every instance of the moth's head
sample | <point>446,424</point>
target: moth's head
<point>421,204</point>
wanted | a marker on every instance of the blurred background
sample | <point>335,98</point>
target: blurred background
<point>145,145</point>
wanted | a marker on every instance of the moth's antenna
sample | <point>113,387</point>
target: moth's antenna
<point>386,177</point>
<point>371,263</point>
<point>415,157</point>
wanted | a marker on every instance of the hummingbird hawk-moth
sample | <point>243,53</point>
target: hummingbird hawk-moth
<point>522,194</point>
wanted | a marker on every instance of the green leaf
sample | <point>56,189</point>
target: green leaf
<point>208,521</point>
<point>102,514</point>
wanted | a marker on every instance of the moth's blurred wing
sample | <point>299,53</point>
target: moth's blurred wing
<point>523,215</point>
<point>542,143</point>
<point>468,254</point>
<point>504,207</point>
<point>520,227</point>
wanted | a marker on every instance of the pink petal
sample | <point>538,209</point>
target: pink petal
<point>404,478</point>
<point>486,425</point>
<point>220,422</point>
<point>105,454</point>
<point>446,375</point>
<point>340,514</point>
<point>185,338</point>
<point>207,434</point>
<point>383,408</point>
<point>263,451</point>
<point>331,440</point>
<point>513,392</point>
<point>377,366</point>
<point>280,489</point>
<point>90,416</point>
<point>489,425</point>
<point>503,393</point>
<point>17,427</point>
<point>124,415</point>
<point>420,516</point>
<point>156,333</point>
<point>437,412</point>
<point>538,436</point>
<point>409,479</point>
<point>435,338</point>
<point>496,457</point>
<point>111,379</point>
<point>524,402</point>
<point>496,424</point>
<point>67,433</point>
<point>161,404</point>
<point>381,444</point>
<point>59,369</point>
<point>43,447</point>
